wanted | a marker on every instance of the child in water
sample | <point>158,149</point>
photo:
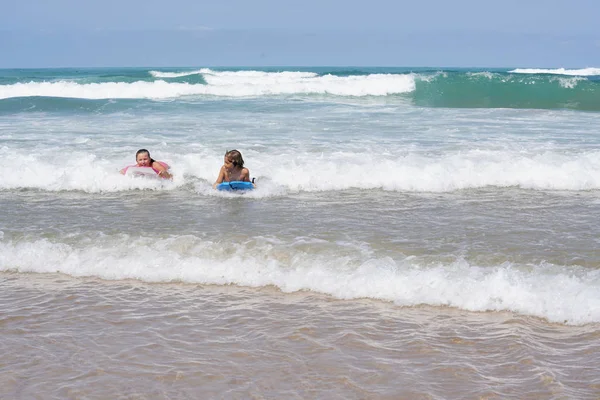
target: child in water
<point>143,159</point>
<point>233,169</point>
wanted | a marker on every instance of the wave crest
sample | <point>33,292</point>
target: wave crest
<point>413,172</point>
<point>559,293</point>
<point>558,71</point>
<point>223,84</point>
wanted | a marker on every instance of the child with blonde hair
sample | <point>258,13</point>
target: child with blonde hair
<point>233,169</point>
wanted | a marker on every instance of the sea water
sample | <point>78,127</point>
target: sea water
<point>414,233</point>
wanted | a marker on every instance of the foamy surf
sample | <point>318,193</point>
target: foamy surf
<point>412,172</point>
<point>563,294</point>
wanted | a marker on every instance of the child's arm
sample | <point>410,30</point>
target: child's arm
<point>165,174</point>
<point>245,175</point>
<point>220,178</point>
<point>162,170</point>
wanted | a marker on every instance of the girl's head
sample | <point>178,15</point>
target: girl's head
<point>235,158</point>
<point>143,159</point>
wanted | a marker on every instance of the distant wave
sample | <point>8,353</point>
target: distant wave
<point>520,88</point>
<point>507,90</point>
<point>159,74</point>
<point>229,84</point>
<point>558,71</point>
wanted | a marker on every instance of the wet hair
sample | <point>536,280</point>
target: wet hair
<point>142,151</point>
<point>235,157</point>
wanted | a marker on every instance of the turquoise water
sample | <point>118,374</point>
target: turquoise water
<point>428,87</point>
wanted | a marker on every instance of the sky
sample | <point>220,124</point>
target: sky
<point>459,33</point>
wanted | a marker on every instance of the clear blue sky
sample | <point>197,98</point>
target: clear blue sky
<point>511,33</point>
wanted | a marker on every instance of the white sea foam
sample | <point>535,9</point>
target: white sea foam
<point>226,84</point>
<point>80,172</point>
<point>571,82</point>
<point>412,172</point>
<point>159,74</point>
<point>485,74</point>
<point>245,75</point>
<point>558,71</point>
<point>564,294</point>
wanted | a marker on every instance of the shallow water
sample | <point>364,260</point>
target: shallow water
<point>85,338</point>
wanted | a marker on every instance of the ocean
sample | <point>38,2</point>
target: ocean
<point>415,233</point>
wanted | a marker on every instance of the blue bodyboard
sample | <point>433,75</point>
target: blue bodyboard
<point>235,185</point>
